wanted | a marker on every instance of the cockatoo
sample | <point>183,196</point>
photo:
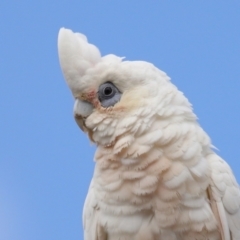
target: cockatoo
<point>156,175</point>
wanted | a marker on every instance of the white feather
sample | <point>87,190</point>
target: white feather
<point>76,55</point>
<point>156,175</point>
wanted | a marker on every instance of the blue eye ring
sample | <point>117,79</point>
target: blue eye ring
<point>108,94</point>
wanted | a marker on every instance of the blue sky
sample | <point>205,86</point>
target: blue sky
<point>45,160</point>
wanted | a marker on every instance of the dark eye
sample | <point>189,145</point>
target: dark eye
<point>108,94</point>
<point>108,91</point>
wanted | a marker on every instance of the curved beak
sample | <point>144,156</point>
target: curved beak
<point>82,109</point>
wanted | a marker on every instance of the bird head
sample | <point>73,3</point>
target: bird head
<point>114,97</point>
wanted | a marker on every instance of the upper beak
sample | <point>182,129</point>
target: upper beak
<point>82,109</point>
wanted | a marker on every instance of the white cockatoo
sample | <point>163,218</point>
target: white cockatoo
<point>156,176</point>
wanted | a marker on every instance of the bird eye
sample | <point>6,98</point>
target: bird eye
<point>108,91</point>
<point>108,94</point>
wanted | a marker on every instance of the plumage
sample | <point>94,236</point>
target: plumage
<point>156,174</point>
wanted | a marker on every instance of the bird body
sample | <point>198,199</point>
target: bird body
<point>156,175</point>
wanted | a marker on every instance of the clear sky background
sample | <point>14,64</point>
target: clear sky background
<point>45,160</point>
